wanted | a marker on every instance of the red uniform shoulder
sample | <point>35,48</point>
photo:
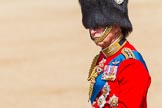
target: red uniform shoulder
<point>134,81</point>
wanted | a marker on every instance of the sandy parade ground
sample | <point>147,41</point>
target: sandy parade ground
<point>45,52</point>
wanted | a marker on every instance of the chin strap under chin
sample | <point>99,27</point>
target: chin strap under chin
<point>104,35</point>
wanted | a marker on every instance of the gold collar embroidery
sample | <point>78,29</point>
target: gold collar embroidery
<point>114,47</point>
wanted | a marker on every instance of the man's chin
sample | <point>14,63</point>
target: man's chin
<point>100,44</point>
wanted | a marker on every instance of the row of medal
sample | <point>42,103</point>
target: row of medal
<point>109,74</point>
<point>110,71</point>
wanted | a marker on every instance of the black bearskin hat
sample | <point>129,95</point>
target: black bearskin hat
<point>104,13</point>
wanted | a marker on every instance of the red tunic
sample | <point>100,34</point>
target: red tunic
<point>131,83</point>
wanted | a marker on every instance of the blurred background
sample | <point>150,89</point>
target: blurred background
<point>45,52</point>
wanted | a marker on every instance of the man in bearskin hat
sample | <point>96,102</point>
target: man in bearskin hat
<point>118,75</point>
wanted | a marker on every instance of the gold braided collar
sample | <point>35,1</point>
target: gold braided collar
<point>114,47</point>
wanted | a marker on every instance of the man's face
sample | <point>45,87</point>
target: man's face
<point>97,32</point>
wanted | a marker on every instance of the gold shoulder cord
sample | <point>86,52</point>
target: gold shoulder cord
<point>92,75</point>
<point>93,64</point>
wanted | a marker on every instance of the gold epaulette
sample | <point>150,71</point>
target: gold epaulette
<point>127,52</point>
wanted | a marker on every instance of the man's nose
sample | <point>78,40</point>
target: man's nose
<point>92,31</point>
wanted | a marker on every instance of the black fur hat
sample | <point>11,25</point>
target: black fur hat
<point>104,13</point>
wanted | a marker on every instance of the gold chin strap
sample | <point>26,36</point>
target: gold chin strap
<point>104,35</point>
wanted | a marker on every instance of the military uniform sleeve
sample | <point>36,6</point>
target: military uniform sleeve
<point>134,81</point>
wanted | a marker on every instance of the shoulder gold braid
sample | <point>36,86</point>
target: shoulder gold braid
<point>92,75</point>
